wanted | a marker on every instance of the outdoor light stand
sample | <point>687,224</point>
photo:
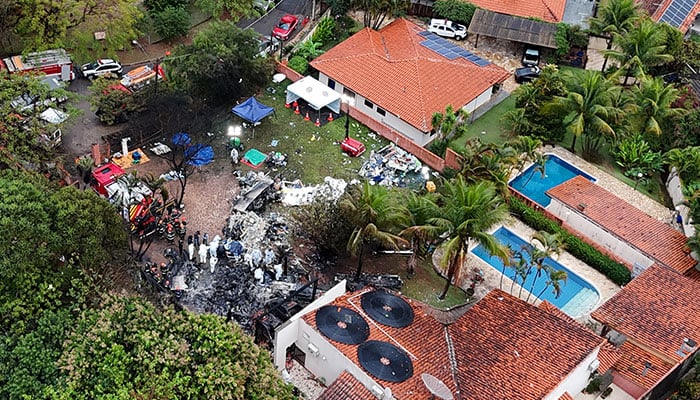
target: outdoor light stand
<point>347,122</point>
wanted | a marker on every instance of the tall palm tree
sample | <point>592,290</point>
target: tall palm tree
<point>373,216</point>
<point>640,48</point>
<point>587,109</point>
<point>654,103</point>
<point>467,213</point>
<point>554,277</point>
<point>418,232</point>
<point>614,17</point>
<point>542,245</point>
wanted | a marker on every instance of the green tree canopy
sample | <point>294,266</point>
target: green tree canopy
<point>455,10</point>
<point>127,349</point>
<point>220,65</point>
<point>73,23</point>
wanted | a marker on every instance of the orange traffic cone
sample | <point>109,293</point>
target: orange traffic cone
<point>295,104</point>
<point>306,117</point>
<point>330,117</point>
<point>318,122</point>
<point>287,105</point>
<point>296,110</point>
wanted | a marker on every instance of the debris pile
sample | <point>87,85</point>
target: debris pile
<point>296,194</point>
<point>393,166</point>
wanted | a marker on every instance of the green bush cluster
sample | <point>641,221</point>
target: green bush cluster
<point>299,64</point>
<point>615,271</point>
<point>325,31</point>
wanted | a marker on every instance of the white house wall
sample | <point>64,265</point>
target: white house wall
<point>599,235</point>
<point>394,121</point>
<point>674,188</point>
<point>288,333</point>
<point>577,380</point>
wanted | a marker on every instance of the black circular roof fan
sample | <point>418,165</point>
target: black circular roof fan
<point>387,309</point>
<point>342,324</point>
<point>385,361</point>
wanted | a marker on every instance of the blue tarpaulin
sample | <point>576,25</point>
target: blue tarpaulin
<point>252,110</point>
<point>199,154</point>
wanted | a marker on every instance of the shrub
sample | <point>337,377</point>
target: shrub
<point>160,5</point>
<point>299,64</point>
<point>172,22</point>
<point>325,31</point>
<point>593,385</point>
<point>615,271</point>
<point>455,10</point>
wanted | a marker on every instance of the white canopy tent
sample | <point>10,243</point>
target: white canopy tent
<point>315,93</point>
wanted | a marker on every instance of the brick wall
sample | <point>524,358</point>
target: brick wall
<point>452,159</point>
<point>291,74</point>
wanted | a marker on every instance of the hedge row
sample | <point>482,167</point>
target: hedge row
<point>615,271</point>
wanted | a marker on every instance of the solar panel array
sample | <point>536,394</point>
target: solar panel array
<point>449,50</point>
<point>677,12</point>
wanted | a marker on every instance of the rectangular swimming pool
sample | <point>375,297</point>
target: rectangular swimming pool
<point>533,184</point>
<point>577,298</point>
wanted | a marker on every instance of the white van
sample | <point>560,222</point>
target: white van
<point>447,28</point>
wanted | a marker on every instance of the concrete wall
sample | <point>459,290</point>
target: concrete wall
<point>594,232</point>
<point>288,333</point>
<point>577,380</point>
<point>674,188</point>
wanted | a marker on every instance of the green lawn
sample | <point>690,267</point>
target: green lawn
<point>426,285</point>
<point>314,152</point>
<point>488,127</point>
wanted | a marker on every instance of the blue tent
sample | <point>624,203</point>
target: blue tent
<point>252,110</point>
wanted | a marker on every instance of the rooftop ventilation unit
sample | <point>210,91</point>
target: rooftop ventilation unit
<point>387,309</point>
<point>437,387</point>
<point>385,361</point>
<point>687,347</point>
<point>342,324</point>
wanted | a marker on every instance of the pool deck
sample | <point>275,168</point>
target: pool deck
<point>605,287</point>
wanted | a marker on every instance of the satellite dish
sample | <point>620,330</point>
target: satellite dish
<point>385,361</point>
<point>342,324</point>
<point>387,309</point>
<point>436,387</point>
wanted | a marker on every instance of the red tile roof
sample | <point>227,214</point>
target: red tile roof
<point>546,10</point>
<point>632,362</point>
<point>656,9</point>
<point>508,349</point>
<point>424,340</point>
<point>608,356</point>
<point>566,396</point>
<point>652,237</point>
<point>393,70</point>
<point>346,387</point>
<point>658,310</point>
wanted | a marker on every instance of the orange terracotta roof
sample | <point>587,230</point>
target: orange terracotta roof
<point>566,396</point>
<point>656,10</point>
<point>654,238</point>
<point>546,10</point>
<point>552,309</point>
<point>393,70</point>
<point>608,356</point>
<point>508,349</point>
<point>632,366</point>
<point>658,309</point>
<point>424,339</point>
<point>346,387</point>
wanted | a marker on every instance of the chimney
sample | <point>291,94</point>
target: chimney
<point>647,367</point>
<point>582,206</point>
<point>687,347</point>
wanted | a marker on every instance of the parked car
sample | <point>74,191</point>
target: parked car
<point>26,103</point>
<point>285,27</point>
<point>447,28</point>
<point>526,74</point>
<point>263,5</point>
<point>531,57</point>
<point>101,67</point>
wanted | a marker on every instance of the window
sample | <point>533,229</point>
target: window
<point>369,104</point>
<point>381,112</point>
<point>331,83</point>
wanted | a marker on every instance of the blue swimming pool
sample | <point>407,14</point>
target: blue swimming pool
<point>577,297</point>
<point>533,184</point>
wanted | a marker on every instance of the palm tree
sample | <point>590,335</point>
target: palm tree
<point>654,103</point>
<point>419,231</point>
<point>587,109</point>
<point>467,213</point>
<point>372,216</point>
<point>615,17</point>
<point>554,276</point>
<point>543,245</point>
<point>644,46</point>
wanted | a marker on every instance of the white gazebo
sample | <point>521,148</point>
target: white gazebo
<point>315,93</point>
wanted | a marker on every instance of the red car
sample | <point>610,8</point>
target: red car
<point>285,27</point>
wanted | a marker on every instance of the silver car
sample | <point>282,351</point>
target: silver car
<point>101,67</point>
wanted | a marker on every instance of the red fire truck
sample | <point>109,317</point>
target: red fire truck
<point>50,62</point>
